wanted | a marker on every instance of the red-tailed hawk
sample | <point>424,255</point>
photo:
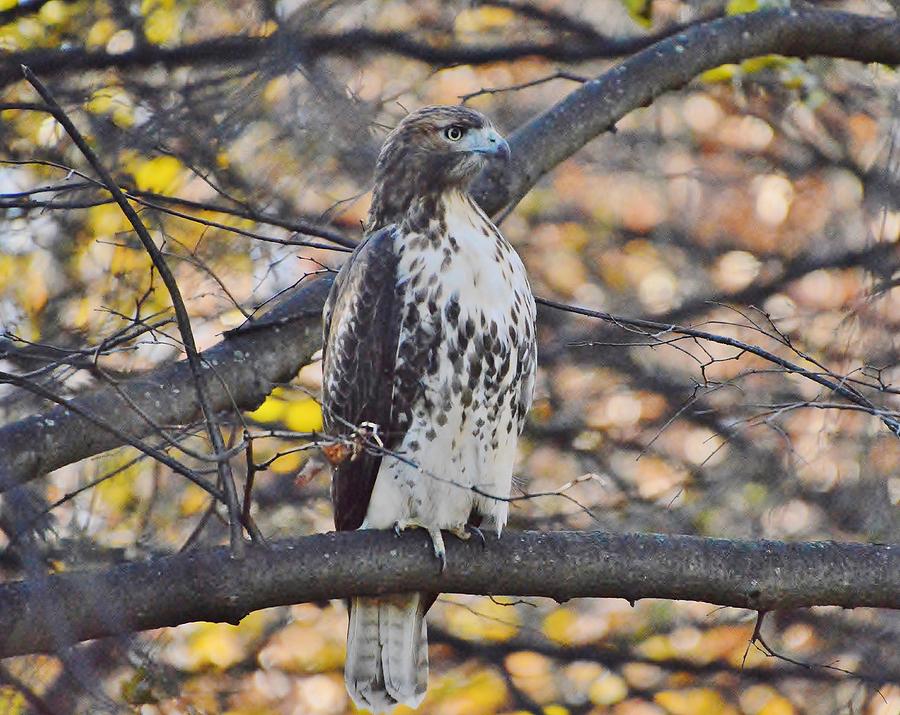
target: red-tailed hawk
<point>430,342</point>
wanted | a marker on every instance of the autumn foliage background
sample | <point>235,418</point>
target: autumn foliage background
<point>759,202</point>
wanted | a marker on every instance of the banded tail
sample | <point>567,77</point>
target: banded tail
<point>387,652</point>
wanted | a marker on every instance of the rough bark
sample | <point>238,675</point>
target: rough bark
<point>210,585</point>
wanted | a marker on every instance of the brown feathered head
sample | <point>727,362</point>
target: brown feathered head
<point>433,150</point>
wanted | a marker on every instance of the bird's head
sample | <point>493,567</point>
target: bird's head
<point>450,143</point>
<point>433,150</point>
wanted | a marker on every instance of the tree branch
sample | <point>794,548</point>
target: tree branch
<point>351,43</point>
<point>209,585</point>
<point>252,364</point>
<point>555,135</point>
<point>247,366</point>
<point>790,32</point>
<point>182,317</point>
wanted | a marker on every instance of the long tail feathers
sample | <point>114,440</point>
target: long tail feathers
<point>387,652</point>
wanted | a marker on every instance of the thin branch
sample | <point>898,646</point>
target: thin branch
<point>37,703</point>
<point>182,316</point>
<point>809,31</point>
<point>656,329</point>
<point>246,48</point>
<point>560,74</point>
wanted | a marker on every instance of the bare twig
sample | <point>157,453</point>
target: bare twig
<point>655,329</point>
<point>181,314</point>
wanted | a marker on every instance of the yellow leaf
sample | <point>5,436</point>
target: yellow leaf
<point>555,710</point>
<point>265,29</point>
<point>483,19</point>
<point>722,73</point>
<point>288,463</point>
<point>270,410</point>
<point>608,689</point>
<point>81,313</point>
<point>34,294</point>
<point>696,701</point>
<point>214,645</point>
<point>157,174</point>
<point>779,705</point>
<point>314,643</point>
<point>193,499</point>
<point>118,492</point>
<point>7,5</point>
<point>12,702</point>
<point>739,7</point>
<point>221,645</point>
<point>105,220</point>
<point>656,648</point>
<point>54,12</point>
<point>755,64</point>
<point>484,620</point>
<point>148,6</point>
<point>641,11</point>
<point>123,115</point>
<point>558,626</point>
<point>276,90</point>
<point>125,259</point>
<point>100,32</point>
<point>162,25</point>
<point>482,695</point>
<point>101,100</point>
<point>303,416</point>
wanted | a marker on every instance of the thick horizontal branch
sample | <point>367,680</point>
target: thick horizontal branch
<point>250,365</point>
<point>790,32</point>
<point>352,43</point>
<point>209,585</point>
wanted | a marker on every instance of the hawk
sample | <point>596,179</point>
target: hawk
<point>429,357</point>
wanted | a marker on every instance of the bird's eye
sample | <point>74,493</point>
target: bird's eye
<point>454,133</point>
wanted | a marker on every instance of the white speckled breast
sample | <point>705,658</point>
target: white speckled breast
<point>467,345</point>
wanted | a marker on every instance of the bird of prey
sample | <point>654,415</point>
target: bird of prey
<point>429,364</point>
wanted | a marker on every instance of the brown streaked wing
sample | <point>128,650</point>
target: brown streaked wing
<point>361,331</point>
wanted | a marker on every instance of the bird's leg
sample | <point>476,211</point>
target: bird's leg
<point>437,539</point>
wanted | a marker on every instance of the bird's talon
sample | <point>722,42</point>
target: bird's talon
<point>479,533</point>
<point>437,541</point>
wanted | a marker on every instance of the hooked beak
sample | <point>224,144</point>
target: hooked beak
<point>493,144</point>
<point>502,150</point>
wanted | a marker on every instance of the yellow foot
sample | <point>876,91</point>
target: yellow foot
<point>460,532</point>
<point>437,539</point>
